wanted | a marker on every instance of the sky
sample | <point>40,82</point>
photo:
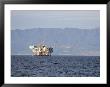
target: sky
<point>86,19</point>
<point>56,19</point>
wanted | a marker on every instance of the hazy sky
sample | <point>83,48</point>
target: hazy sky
<point>22,19</point>
<point>90,45</point>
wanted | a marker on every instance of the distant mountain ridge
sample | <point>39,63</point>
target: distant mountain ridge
<point>70,41</point>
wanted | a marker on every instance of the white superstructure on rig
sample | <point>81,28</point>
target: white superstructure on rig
<point>41,50</point>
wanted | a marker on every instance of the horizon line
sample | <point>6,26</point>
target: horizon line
<point>57,28</point>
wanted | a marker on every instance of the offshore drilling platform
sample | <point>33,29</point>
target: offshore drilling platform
<point>41,50</point>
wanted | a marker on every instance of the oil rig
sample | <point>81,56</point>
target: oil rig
<point>41,50</point>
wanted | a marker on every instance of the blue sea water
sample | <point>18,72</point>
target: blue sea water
<point>55,66</point>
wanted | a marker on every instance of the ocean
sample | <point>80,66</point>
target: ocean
<point>55,66</point>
